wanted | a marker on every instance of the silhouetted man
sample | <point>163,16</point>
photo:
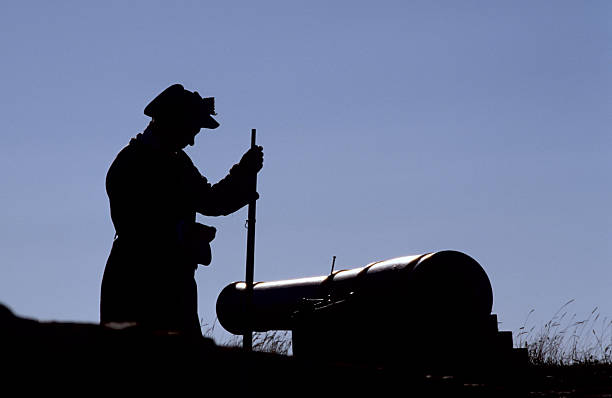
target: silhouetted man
<point>155,191</point>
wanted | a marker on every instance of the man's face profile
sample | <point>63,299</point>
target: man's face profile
<point>185,133</point>
<point>179,133</point>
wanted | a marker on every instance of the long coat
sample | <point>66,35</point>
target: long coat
<point>154,194</point>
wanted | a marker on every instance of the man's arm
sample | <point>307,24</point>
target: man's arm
<point>234,191</point>
<point>227,196</point>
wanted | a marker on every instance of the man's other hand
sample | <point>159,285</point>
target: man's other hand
<point>201,232</point>
<point>199,237</point>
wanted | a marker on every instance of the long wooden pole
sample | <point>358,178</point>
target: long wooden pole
<point>247,338</point>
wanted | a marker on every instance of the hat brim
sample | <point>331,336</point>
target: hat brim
<point>208,122</point>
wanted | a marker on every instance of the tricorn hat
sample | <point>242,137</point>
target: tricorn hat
<point>176,103</point>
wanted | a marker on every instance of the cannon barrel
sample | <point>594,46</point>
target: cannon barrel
<point>396,293</point>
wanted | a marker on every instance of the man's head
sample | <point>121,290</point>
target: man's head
<point>180,114</point>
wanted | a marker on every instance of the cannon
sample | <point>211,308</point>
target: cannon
<point>403,309</point>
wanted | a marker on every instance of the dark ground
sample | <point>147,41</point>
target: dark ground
<point>86,359</point>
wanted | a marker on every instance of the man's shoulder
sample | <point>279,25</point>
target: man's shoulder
<point>135,149</point>
<point>131,156</point>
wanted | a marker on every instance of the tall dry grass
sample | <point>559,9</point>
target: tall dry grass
<point>274,341</point>
<point>567,340</point>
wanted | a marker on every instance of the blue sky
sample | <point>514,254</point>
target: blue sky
<point>389,128</point>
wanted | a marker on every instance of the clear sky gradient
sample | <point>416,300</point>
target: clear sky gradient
<point>389,128</point>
